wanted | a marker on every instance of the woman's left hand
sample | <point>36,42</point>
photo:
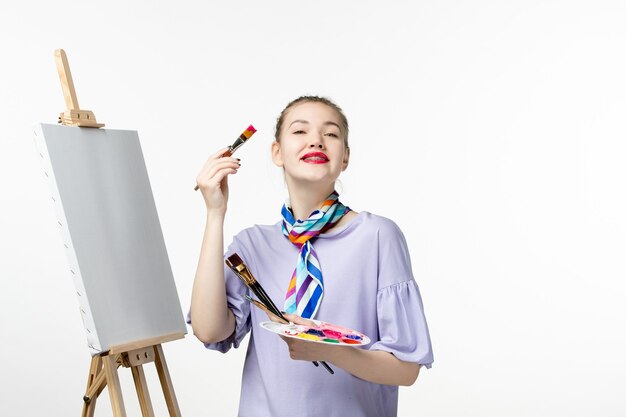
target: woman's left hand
<point>306,351</point>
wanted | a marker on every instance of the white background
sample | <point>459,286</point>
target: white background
<point>492,132</point>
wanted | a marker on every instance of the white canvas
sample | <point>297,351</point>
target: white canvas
<point>110,228</point>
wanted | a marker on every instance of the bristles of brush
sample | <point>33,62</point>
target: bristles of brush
<point>249,132</point>
<point>235,260</point>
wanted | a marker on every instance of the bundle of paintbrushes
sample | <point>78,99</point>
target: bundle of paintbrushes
<point>236,264</point>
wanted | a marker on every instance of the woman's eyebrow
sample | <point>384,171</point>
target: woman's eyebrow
<point>306,122</point>
<point>298,121</point>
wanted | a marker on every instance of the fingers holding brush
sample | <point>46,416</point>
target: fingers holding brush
<point>218,170</point>
<point>213,180</point>
<point>273,317</point>
<point>228,151</point>
<point>294,318</point>
<point>213,165</point>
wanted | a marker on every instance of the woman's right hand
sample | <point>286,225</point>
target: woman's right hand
<point>213,180</point>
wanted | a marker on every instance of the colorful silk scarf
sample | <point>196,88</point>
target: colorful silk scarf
<point>306,287</point>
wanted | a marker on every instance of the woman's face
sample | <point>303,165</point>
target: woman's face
<point>311,147</point>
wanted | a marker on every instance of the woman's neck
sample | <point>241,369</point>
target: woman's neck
<point>305,200</point>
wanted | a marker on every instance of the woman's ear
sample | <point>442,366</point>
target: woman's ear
<point>346,159</point>
<point>276,156</point>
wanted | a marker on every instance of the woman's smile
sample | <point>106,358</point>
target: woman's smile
<point>315,158</point>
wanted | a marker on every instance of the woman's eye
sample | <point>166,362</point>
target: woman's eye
<point>334,135</point>
<point>298,132</point>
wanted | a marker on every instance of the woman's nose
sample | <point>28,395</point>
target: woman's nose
<point>316,141</point>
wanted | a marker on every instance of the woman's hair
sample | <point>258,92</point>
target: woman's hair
<point>313,99</point>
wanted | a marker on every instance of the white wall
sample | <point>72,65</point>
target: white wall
<point>492,132</point>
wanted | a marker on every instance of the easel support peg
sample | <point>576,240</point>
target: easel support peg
<point>73,116</point>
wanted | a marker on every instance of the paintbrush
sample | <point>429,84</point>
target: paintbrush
<point>265,309</point>
<point>237,144</point>
<point>236,264</point>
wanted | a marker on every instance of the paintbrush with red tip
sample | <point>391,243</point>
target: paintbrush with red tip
<point>237,144</point>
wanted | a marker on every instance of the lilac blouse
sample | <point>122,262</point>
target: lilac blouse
<point>368,286</point>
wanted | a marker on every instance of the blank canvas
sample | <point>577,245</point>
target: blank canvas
<point>111,231</point>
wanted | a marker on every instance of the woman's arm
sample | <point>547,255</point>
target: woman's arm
<point>375,366</point>
<point>211,319</point>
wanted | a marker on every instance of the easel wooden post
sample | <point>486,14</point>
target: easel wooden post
<point>103,369</point>
<point>73,116</point>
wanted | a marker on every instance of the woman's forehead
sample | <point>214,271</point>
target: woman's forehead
<point>312,112</point>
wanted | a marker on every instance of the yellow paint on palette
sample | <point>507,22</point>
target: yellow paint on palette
<point>308,336</point>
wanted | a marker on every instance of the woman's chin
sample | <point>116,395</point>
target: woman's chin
<point>316,181</point>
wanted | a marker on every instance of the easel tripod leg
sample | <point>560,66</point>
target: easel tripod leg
<point>95,370</point>
<point>166,382</point>
<point>142,391</point>
<point>113,381</point>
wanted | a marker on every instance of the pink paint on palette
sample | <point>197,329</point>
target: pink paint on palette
<point>321,333</point>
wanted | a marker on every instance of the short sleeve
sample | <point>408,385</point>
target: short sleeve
<point>237,303</point>
<point>402,325</point>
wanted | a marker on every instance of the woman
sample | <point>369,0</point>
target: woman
<point>324,261</point>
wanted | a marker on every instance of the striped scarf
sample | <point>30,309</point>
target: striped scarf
<point>307,286</point>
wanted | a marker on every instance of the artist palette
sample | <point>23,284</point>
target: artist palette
<point>321,333</point>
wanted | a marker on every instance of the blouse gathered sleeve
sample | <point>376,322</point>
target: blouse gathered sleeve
<point>237,303</point>
<point>402,326</point>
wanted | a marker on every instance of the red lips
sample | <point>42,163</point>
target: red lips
<point>315,157</point>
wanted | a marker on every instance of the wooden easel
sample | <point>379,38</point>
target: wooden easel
<point>73,116</point>
<point>103,370</point>
<point>103,373</point>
